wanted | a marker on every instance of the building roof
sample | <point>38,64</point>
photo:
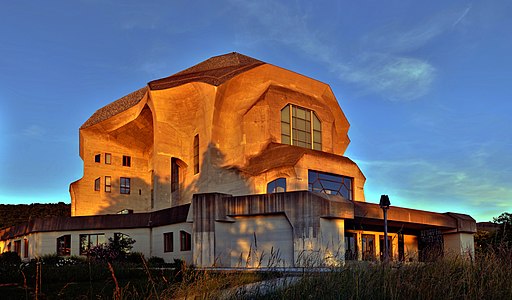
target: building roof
<point>116,107</point>
<point>280,155</point>
<point>173,215</point>
<point>214,71</point>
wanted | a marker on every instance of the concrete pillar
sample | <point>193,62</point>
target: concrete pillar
<point>459,244</point>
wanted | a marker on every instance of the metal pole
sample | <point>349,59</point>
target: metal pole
<point>386,246</point>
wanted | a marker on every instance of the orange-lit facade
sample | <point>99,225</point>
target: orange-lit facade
<point>237,159</point>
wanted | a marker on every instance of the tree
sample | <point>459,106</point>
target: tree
<point>503,236</point>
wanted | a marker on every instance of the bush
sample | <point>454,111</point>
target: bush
<point>156,262</point>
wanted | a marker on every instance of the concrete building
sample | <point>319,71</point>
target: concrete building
<point>241,164</point>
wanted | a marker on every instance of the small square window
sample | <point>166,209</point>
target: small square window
<point>127,161</point>
<point>97,158</point>
<point>108,158</point>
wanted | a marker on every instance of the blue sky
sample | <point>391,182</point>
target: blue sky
<point>425,85</point>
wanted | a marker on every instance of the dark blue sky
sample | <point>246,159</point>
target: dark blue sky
<point>426,87</point>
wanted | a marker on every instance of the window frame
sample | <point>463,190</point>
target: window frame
<point>108,158</point>
<point>273,185</point>
<point>25,248</point>
<point>168,242</point>
<point>108,184</point>
<point>185,241</point>
<point>328,180</point>
<point>127,161</point>
<point>84,251</point>
<point>64,250</point>
<point>124,185</point>
<point>301,127</point>
<point>97,184</point>
<point>196,154</point>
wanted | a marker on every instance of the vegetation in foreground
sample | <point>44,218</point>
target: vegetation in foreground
<point>487,275</point>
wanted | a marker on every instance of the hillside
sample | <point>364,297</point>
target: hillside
<point>11,214</point>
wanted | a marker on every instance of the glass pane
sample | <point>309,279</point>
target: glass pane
<point>316,123</point>
<point>285,128</point>
<point>285,139</point>
<point>301,113</point>
<point>285,114</point>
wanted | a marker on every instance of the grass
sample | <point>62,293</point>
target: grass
<point>486,276</point>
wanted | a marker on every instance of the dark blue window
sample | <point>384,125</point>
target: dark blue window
<point>276,186</point>
<point>331,184</point>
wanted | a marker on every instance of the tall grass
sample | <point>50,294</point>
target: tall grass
<point>488,275</point>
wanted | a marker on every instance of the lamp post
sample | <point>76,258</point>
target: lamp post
<point>384,204</point>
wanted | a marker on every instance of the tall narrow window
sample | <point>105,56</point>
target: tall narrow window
<point>127,161</point>
<point>17,247</point>
<point>276,186</point>
<point>175,175</point>
<point>300,127</point>
<point>25,249</point>
<point>97,158</point>
<point>64,245</point>
<point>97,184</point>
<point>196,154</point>
<point>168,242</point>
<point>124,187</point>
<point>108,158</point>
<point>108,185</point>
<point>185,241</point>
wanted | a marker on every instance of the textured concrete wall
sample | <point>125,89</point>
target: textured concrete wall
<point>254,241</point>
<point>234,121</point>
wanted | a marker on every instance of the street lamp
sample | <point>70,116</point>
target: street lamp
<point>384,204</point>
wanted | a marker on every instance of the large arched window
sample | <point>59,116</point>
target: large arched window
<point>300,127</point>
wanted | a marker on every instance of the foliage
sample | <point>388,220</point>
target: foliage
<point>501,238</point>
<point>117,249</point>
<point>15,214</point>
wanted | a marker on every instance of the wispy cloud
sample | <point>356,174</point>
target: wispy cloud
<point>380,68</point>
<point>441,186</point>
<point>34,131</point>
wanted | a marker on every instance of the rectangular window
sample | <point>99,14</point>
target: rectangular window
<point>108,158</point>
<point>175,175</point>
<point>17,247</point>
<point>196,154</point>
<point>25,250</point>
<point>124,187</point>
<point>64,245</point>
<point>168,242</point>
<point>300,127</point>
<point>185,241</point>
<point>127,161</point>
<point>108,185</point>
<point>97,184</point>
<point>331,184</point>
<point>88,241</point>
<point>97,158</point>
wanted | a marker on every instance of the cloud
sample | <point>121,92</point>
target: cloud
<point>379,66</point>
<point>442,186</point>
<point>34,131</point>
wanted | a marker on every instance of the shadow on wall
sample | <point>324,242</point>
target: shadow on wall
<point>213,177</point>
